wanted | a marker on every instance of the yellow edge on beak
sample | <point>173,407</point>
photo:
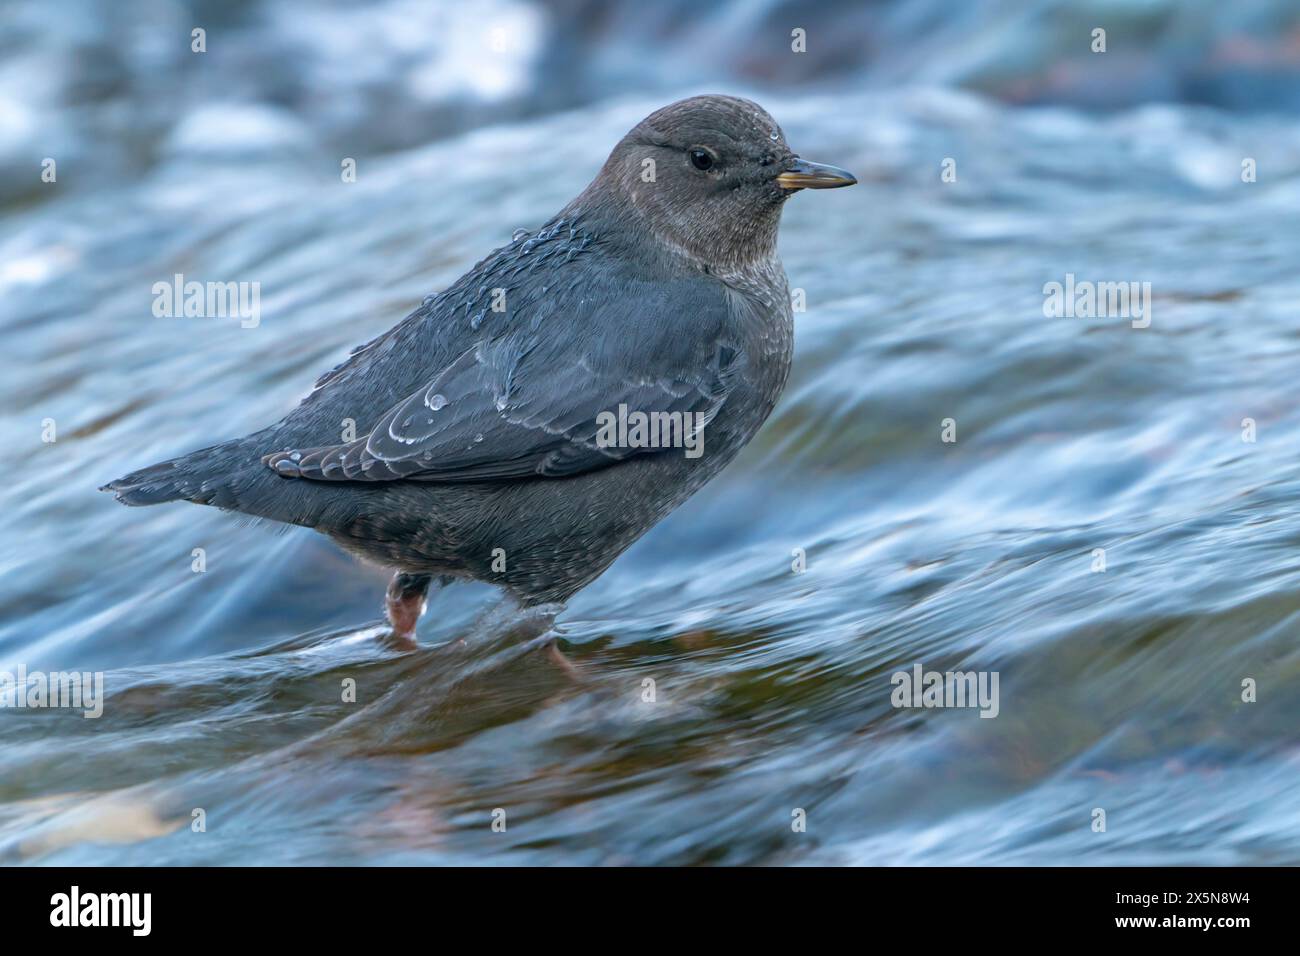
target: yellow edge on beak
<point>805,175</point>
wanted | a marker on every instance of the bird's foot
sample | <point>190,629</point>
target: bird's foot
<point>552,650</point>
<point>407,594</point>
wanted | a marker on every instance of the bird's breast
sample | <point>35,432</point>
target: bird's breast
<point>762,323</point>
<point>759,300</point>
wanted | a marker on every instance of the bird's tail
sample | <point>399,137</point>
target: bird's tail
<point>203,476</point>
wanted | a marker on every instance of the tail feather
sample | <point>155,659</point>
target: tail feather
<point>202,476</point>
<point>233,477</point>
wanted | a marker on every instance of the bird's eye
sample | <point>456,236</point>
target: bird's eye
<point>701,159</point>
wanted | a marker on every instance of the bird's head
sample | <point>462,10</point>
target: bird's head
<point>709,175</point>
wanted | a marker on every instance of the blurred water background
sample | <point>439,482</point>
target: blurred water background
<point>1119,689</point>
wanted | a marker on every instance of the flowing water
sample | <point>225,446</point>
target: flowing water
<point>736,666</point>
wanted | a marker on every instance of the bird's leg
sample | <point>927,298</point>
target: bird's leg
<point>552,650</point>
<point>406,596</point>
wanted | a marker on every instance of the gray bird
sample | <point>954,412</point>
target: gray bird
<point>497,424</point>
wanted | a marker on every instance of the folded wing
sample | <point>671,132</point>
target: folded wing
<point>503,411</point>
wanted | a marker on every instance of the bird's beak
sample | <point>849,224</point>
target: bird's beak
<point>801,174</point>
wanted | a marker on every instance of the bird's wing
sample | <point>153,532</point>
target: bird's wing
<point>523,405</point>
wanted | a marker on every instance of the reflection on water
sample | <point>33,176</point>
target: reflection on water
<point>1119,689</point>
